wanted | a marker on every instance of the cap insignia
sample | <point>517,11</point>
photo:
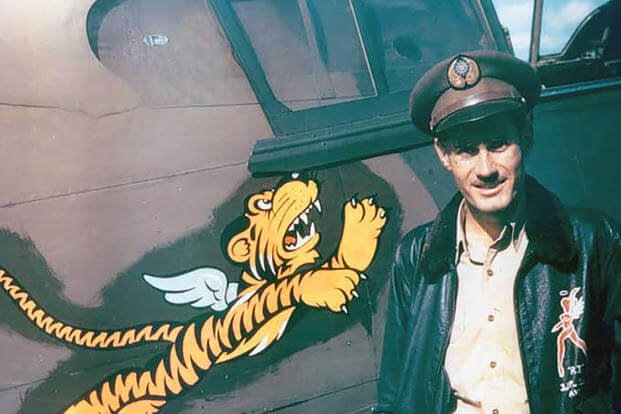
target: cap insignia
<point>463,72</point>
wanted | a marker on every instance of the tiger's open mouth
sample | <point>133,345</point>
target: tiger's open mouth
<point>302,229</point>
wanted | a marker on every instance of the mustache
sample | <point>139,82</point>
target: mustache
<point>482,183</point>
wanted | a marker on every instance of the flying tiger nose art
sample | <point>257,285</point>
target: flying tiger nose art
<point>274,246</point>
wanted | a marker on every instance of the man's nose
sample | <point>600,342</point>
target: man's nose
<point>486,168</point>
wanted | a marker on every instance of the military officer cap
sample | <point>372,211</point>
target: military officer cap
<point>472,86</point>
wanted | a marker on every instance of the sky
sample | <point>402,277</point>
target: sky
<point>560,19</point>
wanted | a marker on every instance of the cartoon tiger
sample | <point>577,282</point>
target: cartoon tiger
<point>279,239</point>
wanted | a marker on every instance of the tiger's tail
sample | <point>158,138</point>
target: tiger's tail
<point>93,339</point>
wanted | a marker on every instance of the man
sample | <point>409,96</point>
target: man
<point>508,302</point>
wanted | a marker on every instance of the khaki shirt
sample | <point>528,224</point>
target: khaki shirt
<point>483,359</point>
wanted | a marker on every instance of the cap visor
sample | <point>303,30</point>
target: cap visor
<point>478,112</point>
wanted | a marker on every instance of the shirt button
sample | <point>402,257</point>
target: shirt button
<point>490,272</point>
<point>492,364</point>
<point>495,411</point>
<point>490,318</point>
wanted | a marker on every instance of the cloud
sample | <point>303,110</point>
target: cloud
<point>560,20</point>
<point>551,44</point>
<point>575,11</point>
<point>516,16</point>
<point>566,17</point>
<point>521,45</point>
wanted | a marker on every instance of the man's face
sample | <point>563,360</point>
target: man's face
<point>486,161</point>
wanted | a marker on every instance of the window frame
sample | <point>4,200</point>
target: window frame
<point>553,56</point>
<point>330,134</point>
<point>536,60</point>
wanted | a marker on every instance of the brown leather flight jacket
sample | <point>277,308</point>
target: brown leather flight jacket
<point>568,249</point>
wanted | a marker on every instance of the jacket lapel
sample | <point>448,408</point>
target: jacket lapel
<point>548,229</point>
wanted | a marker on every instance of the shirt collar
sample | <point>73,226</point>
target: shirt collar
<point>515,226</point>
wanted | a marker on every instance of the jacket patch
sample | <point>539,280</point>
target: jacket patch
<point>573,308</point>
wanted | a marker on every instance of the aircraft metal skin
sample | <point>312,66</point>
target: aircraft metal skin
<point>256,317</point>
<point>145,270</point>
<point>104,184</point>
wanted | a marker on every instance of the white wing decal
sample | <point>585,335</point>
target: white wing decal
<point>576,306</point>
<point>206,287</point>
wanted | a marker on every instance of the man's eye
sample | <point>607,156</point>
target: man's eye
<point>467,149</point>
<point>497,145</point>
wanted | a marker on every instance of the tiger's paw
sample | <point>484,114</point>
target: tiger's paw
<point>363,223</point>
<point>330,288</point>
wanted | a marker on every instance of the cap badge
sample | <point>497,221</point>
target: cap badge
<point>463,72</point>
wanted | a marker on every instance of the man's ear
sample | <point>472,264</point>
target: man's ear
<point>442,154</point>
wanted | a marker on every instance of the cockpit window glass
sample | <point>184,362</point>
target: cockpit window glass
<point>561,18</point>
<point>405,38</point>
<point>311,52</point>
<point>580,41</point>
<point>324,52</point>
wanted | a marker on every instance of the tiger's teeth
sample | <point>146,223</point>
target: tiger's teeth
<point>270,262</point>
<point>304,218</point>
<point>299,236</point>
<point>291,227</point>
<point>262,262</point>
<point>296,221</point>
<point>312,230</point>
<point>317,205</point>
